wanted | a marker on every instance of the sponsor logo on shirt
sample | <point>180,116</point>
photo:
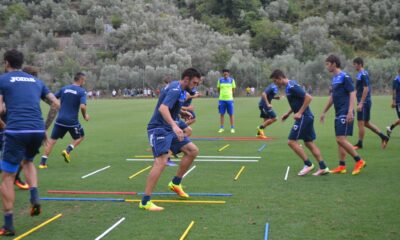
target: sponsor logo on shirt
<point>70,91</point>
<point>22,79</point>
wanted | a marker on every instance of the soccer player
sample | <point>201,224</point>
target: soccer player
<point>265,107</point>
<point>395,103</point>
<point>303,127</point>
<point>187,105</point>
<point>164,134</point>
<point>364,105</point>
<point>73,99</point>
<point>343,98</point>
<point>226,87</point>
<point>24,132</point>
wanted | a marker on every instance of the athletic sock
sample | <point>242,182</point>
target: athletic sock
<point>261,127</point>
<point>34,195</point>
<point>359,143</point>
<point>342,163</point>
<point>322,164</point>
<point>222,126</point>
<point>8,221</point>
<point>308,163</point>
<point>232,127</point>
<point>357,158</point>
<point>43,160</point>
<point>176,180</point>
<point>392,126</point>
<point>70,148</point>
<point>383,136</point>
<point>145,199</point>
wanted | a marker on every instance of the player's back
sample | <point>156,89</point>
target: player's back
<point>342,86</point>
<point>362,80</point>
<point>22,93</point>
<point>295,95</point>
<point>71,97</point>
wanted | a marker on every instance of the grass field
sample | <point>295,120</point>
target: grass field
<point>329,207</point>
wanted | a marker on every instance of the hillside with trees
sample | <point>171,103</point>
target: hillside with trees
<point>137,43</point>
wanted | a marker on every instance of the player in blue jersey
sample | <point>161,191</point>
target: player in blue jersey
<point>343,99</point>
<point>164,135</point>
<point>364,104</point>
<point>24,132</point>
<point>187,106</point>
<point>395,103</point>
<point>226,87</point>
<point>265,107</point>
<point>303,127</point>
<point>73,99</point>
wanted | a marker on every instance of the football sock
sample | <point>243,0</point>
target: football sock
<point>342,163</point>
<point>222,126</point>
<point>70,148</point>
<point>43,160</point>
<point>308,163</point>
<point>34,195</point>
<point>145,199</point>
<point>261,127</point>
<point>383,136</point>
<point>322,164</point>
<point>8,221</point>
<point>357,158</point>
<point>176,180</point>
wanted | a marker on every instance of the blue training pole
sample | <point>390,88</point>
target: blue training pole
<point>266,231</point>
<point>262,147</point>
<point>83,199</point>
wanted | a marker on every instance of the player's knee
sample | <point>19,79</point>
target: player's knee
<point>340,139</point>
<point>273,119</point>
<point>291,143</point>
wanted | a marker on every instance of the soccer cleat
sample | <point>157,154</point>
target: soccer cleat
<point>359,165</point>
<point>260,134</point>
<point>232,130</point>
<point>306,169</point>
<point>321,172</point>
<point>170,163</point>
<point>6,232</point>
<point>221,130</point>
<point>21,184</point>
<point>178,189</point>
<point>42,165</point>
<point>150,206</point>
<point>67,157</point>
<point>339,169</point>
<point>384,143</point>
<point>388,131</point>
<point>35,209</point>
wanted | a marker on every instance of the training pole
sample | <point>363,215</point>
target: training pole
<point>287,173</point>
<point>92,173</point>
<point>135,174</point>
<point>238,174</point>
<point>90,192</point>
<point>196,160</point>
<point>110,229</point>
<point>84,199</point>
<point>178,201</point>
<point>223,148</point>
<point>187,231</point>
<point>38,227</point>
<point>266,231</point>
<point>262,147</point>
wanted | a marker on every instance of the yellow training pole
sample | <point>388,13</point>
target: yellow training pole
<point>134,175</point>
<point>187,231</point>
<point>144,156</point>
<point>39,226</point>
<point>223,148</point>
<point>238,174</point>
<point>178,201</point>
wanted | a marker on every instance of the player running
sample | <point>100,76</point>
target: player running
<point>395,103</point>
<point>265,107</point>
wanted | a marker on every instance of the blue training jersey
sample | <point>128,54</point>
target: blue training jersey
<point>396,87</point>
<point>271,92</point>
<point>172,96</point>
<point>342,86</point>
<point>71,97</point>
<point>362,80</point>
<point>295,95</point>
<point>21,94</point>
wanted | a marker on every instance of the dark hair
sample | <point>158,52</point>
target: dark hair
<point>15,58</point>
<point>277,74</point>
<point>30,70</point>
<point>191,73</point>
<point>167,80</point>
<point>78,76</point>
<point>333,59</point>
<point>226,70</point>
<point>358,61</point>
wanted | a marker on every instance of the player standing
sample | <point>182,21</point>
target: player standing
<point>226,87</point>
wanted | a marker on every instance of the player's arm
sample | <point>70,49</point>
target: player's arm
<point>264,96</point>
<point>306,103</point>
<point>350,114</point>
<point>54,104</point>
<point>164,111</point>
<point>188,108</point>
<point>326,109</point>
<point>2,111</point>
<point>286,115</point>
<point>84,112</point>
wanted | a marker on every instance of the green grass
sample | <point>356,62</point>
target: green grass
<point>329,207</point>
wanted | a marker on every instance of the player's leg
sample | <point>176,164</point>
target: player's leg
<point>323,169</point>
<point>361,134</point>
<point>221,111</point>
<point>18,181</point>
<point>345,144</point>
<point>8,198</point>
<point>342,161</point>
<point>396,123</point>
<point>78,135</point>
<point>230,110</point>
<point>377,131</point>
<point>48,148</point>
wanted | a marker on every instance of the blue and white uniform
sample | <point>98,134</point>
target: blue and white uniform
<point>266,112</point>
<point>396,87</point>
<point>362,80</point>
<point>25,128</point>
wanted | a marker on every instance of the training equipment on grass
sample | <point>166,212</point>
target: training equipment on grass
<point>238,174</point>
<point>287,173</point>
<point>135,174</point>
<point>110,229</point>
<point>197,160</point>
<point>92,173</point>
<point>189,171</point>
<point>230,157</point>
<point>230,139</point>
<point>38,227</point>
<point>262,147</point>
<point>89,192</point>
<point>223,148</point>
<point>186,231</point>
<point>179,201</point>
<point>190,194</point>
<point>266,231</point>
<point>130,200</point>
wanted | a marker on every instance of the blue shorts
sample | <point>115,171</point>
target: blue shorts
<point>60,131</point>
<point>343,128</point>
<point>398,110</point>
<point>266,112</point>
<point>225,106</point>
<point>162,141</point>
<point>365,114</point>
<point>181,124</point>
<point>303,129</point>
<point>18,147</point>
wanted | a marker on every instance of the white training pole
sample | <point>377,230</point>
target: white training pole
<point>110,229</point>
<point>90,174</point>
<point>239,157</point>
<point>189,171</point>
<point>287,172</point>
<point>197,160</point>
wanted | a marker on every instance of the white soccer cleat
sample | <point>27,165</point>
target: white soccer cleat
<point>306,169</point>
<point>321,172</point>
